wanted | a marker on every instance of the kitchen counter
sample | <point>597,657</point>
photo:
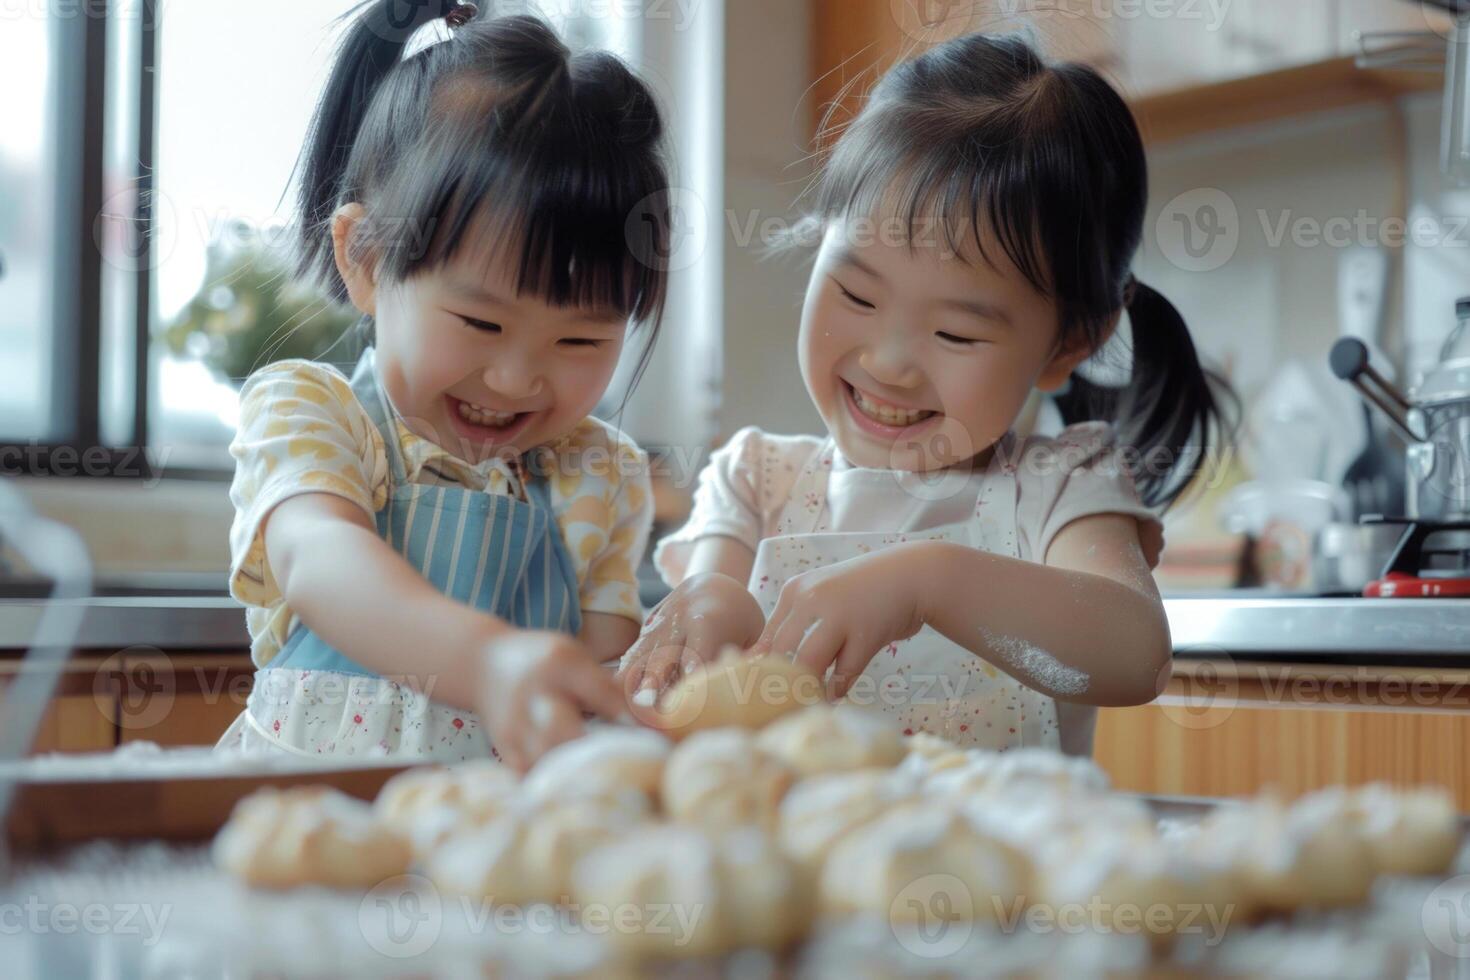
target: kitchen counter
<point>1249,627</point>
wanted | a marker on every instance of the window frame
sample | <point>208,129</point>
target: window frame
<point>79,118</point>
<point>80,122</point>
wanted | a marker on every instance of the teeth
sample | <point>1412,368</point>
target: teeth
<point>480,415</point>
<point>886,414</point>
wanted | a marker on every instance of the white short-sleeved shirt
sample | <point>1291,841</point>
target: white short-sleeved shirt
<point>748,481</point>
<point>302,430</point>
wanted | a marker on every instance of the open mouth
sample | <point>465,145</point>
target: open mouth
<point>481,422</point>
<point>883,417</point>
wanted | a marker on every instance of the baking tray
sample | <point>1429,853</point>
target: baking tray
<point>144,793</point>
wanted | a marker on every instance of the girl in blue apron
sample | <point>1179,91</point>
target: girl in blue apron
<point>437,554</point>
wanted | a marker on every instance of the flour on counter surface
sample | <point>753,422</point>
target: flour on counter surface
<point>141,760</point>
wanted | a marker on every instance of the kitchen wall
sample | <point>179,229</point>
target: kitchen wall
<point>767,117</point>
<point>1275,299</point>
<point>1267,304</point>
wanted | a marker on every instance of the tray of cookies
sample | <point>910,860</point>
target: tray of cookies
<point>814,840</point>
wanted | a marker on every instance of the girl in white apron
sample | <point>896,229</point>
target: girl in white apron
<point>979,217</point>
<point>452,536</point>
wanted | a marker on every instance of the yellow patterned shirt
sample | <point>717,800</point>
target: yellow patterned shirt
<point>302,430</point>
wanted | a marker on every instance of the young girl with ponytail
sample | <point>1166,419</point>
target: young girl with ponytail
<point>448,529</point>
<point>978,222</point>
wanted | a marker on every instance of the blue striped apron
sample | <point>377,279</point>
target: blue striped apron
<point>493,552</point>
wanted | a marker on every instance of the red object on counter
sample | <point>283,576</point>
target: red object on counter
<point>1397,585</point>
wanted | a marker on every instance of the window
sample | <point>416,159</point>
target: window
<point>236,86</point>
<point>166,134</point>
<point>27,74</point>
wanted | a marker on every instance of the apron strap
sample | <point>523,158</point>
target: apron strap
<point>374,400</point>
<point>805,511</point>
<point>994,525</point>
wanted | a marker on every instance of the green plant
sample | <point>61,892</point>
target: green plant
<point>251,312</point>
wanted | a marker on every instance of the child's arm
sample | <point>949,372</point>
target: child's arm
<point>1087,627</point>
<point>360,595</point>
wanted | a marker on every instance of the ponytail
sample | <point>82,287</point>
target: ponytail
<point>1171,406</point>
<point>372,47</point>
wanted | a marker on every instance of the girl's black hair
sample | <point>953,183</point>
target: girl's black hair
<point>980,134</point>
<point>499,133</point>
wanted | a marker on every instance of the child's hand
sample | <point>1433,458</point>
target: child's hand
<point>843,614</point>
<point>534,685</point>
<point>691,626</point>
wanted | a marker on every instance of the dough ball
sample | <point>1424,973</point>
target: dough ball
<point>719,780</point>
<point>1410,831</point>
<point>527,854</point>
<point>606,757</point>
<point>676,891</point>
<point>431,803</point>
<point>932,753</point>
<point>767,899</point>
<point>1307,856</point>
<point>1155,889</point>
<point>483,786</point>
<point>309,836</point>
<point>919,864</point>
<point>1056,826</point>
<point>820,811</point>
<point>995,772</point>
<point>833,738</point>
<point>735,690</point>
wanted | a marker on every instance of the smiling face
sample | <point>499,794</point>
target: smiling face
<point>918,359</point>
<point>479,370</point>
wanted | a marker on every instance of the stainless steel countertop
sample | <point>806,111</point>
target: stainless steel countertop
<point>1433,629</point>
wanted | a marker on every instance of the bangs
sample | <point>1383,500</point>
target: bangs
<point>1007,169</point>
<point>941,197</point>
<point>581,225</point>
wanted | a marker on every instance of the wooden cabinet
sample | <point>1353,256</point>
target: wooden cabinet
<point>171,699</point>
<point>181,698</point>
<point>78,716</point>
<point>1204,56</point>
<point>1227,729</point>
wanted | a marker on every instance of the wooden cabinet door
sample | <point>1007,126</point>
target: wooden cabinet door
<point>79,717</point>
<point>181,699</point>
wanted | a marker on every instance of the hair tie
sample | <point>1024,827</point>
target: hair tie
<point>461,15</point>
